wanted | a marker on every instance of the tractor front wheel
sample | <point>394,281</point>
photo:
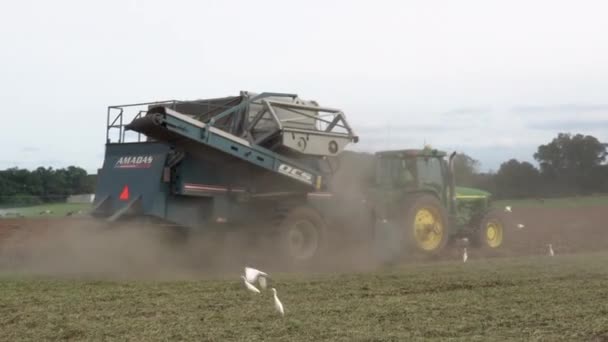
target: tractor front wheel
<point>491,233</point>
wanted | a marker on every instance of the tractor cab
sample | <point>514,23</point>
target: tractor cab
<point>424,170</point>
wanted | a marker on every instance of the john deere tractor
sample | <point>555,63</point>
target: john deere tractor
<point>415,204</point>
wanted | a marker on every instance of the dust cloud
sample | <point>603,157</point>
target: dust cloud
<point>85,249</point>
<point>121,252</point>
<point>82,248</point>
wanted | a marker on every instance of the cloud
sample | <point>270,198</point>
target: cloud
<point>7,164</point>
<point>569,125</point>
<point>469,111</point>
<point>561,109</point>
<point>32,164</point>
<point>400,129</point>
<point>30,149</point>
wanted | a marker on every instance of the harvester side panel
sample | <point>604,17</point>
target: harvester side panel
<point>132,174</point>
<point>178,127</point>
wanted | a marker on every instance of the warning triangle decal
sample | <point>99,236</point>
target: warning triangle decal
<point>124,195</point>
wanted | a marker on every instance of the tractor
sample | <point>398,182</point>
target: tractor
<point>275,165</point>
<point>413,198</point>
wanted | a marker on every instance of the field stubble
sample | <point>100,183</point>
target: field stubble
<point>124,286</point>
<point>500,299</point>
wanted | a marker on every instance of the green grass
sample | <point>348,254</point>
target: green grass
<point>57,209</point>
<point>563,202</point>
<point>515,299</point>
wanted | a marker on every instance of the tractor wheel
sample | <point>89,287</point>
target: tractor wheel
<point>426,225</point>
<point>491,234</point>
<point>302,236</point>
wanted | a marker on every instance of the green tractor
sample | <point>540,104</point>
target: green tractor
<point>417,207</point>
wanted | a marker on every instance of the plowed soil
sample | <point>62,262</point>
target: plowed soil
<point>569,230</point>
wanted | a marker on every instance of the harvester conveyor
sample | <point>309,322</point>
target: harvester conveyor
<point>164,124</point>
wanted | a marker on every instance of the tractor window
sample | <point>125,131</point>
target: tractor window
<point>396,172</point>
<point>429,171</point>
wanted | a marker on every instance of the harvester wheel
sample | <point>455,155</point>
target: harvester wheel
<point>491,234</point>
<point>302,236</point>
<point>426,225</point>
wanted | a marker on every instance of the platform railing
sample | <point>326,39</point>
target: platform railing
<point>324,121</point>
<point>119,116</point>
<point>116,120</point>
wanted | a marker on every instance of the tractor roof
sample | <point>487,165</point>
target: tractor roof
<point>426,152</point>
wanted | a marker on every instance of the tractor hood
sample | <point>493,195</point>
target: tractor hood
<point>471,194</point>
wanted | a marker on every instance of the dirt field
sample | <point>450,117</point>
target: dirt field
<point>569,230</point>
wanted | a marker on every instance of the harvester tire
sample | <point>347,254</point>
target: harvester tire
<point>302,237</point>
<point>426,225</point>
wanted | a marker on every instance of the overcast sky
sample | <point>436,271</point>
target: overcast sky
<point>493,79</point>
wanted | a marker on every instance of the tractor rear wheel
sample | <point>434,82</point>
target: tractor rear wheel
<point>426,225</point>
<point>302,236</point>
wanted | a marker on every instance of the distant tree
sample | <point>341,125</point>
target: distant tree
<point>21,186</point>
<point>57,185</point>
<point>486,181</point>
<point>517,179</point>
<point>91,183</point>
<point>8,185</point>
<point>77,180</point>
<point>572,161</point>
<point>601,173</point>
<point>465,168</point>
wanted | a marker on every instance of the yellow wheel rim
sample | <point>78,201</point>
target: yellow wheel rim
<point>494,232</point>
<point>428,229</point>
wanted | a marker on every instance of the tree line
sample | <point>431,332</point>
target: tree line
<point>570,164</point>
<point>43,185</point>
